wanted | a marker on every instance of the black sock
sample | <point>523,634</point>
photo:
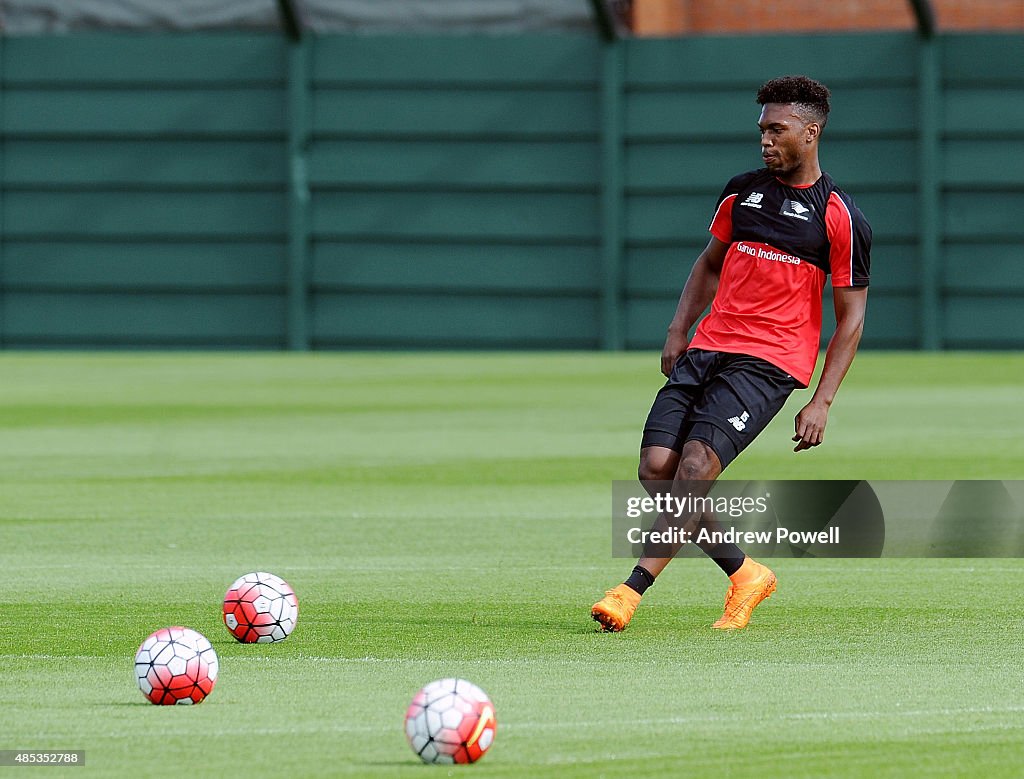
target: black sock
<point>728,557</point>
<point>640,579</point>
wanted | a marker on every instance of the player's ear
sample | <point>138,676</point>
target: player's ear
<point>811,132</point>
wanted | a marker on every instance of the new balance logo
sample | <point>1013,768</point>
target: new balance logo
<point>740,422</point>
<point>753,200</point>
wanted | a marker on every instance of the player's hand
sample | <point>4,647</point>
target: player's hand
<point>810,425</point>
<point>675,345</point>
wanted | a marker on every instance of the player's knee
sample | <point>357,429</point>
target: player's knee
<point>657,464</point>
<point>698,463</point>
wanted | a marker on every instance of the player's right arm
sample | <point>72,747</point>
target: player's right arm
<point>698,292</point>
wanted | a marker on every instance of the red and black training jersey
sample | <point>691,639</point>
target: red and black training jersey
<point>783,243</point>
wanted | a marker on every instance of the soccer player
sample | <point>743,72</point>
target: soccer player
<point>777,233</point>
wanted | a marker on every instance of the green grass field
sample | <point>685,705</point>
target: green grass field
<point>449,515</point>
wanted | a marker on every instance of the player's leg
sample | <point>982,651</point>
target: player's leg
<point>737,405</point>
<point>696,468</point>
<point>734,405</point>
<point>660,453</point>
<point>658,464</point>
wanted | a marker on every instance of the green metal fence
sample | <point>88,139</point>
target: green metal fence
<point>537,191</point>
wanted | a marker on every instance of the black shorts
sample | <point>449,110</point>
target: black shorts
<point>724,400</point>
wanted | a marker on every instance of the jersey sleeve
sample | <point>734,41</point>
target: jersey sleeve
<point>849,236</point>
<point>721,222</point>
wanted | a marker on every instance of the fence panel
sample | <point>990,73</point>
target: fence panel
<point>457,195</point>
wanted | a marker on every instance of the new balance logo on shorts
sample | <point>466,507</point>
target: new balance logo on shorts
<point>740,422</point>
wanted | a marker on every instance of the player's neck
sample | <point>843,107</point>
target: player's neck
<point>803,176</point>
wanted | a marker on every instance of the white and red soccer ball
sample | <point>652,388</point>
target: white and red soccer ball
<point>450,721</point>
<point>260,608</point>
<point>176,665</point>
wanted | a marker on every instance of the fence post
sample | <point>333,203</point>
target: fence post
<point>298,195</point>
<point>611,195</point>
<point>929,184</point>
<point>3,189</point>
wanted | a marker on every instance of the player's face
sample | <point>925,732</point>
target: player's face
<point>786,139</point>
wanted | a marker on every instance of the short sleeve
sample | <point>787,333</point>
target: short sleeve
<point>721,222</point>
<point>849,236</point>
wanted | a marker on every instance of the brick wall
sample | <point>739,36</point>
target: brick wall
<point>672,17</point>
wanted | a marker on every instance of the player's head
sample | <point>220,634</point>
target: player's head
<point>809,99</point>
<point>794,112</point>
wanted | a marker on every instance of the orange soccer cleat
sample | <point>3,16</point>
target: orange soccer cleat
<point>750,585</point>
<point>615,609</point>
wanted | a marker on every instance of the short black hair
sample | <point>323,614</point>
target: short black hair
<point>810,96</point>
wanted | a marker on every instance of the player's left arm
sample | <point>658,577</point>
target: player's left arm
<point>850,306</point>
<point>849,236</point>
